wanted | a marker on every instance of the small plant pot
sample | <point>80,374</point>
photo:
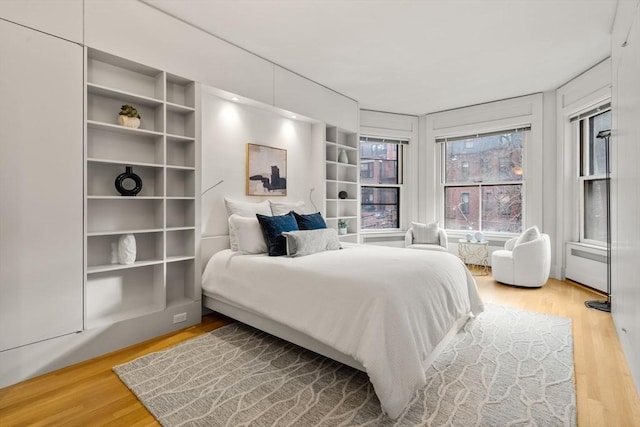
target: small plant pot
<point>130,122</point>
<point>342,231</point>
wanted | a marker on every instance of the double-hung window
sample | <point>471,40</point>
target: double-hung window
<point>380,182</point>
<point>483,181</point>
<point>593,174</point>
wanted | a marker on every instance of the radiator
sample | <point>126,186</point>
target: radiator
<point>587,265</point>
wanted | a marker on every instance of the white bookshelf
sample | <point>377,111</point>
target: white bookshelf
<point>163,216</point>
<point>340,176</point>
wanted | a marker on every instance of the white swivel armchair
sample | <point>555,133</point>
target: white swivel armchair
<point>524,261</point>
<point>426,237</point>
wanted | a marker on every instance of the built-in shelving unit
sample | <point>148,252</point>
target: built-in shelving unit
<point>342,176</point>
<point>163,216</point>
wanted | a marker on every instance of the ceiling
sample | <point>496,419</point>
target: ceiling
<point>415,56</point>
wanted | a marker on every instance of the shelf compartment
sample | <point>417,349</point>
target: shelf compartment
<point>128,144</point>
<point>331,171</point>
<point>180,91</point>
<point>332,210</point>
<point>125,213</point>
<point>180,243</point>
<point>105,108</point>
<point>101,179</point>
<point>181,153</point>
<point>149,249</point>
<point>348,173</point>
<point>350,187</point>
<point>331,190</point>
<point>114,296</point>
<point>331,152</point>
<point>347,208</point>
<point>180,213</point>
<point>180,282</point>
<point>181,122</point>
<point>348,139</point>
<point>332,134</point>
<point>111,71</point>
<point>180,182</point>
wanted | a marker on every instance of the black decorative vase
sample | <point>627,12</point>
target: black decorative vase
<point>128,183</point>
<point>343,195</point>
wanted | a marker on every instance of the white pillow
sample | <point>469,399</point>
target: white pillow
<point>527,235</point>
<point>425,233</point>
<point>248,233</point>
<point>245,209</point>
<point>307,242</point>
<point>283,208</point>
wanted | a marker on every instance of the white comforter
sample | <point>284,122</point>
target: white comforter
<point>386,307</point>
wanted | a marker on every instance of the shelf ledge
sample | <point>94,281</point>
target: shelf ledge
<point>114,267</point>
<point>122,129</point>
<point>121,232</point>
<point>108,92</point>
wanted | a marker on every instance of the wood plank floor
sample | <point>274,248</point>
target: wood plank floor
<point>89,393</point>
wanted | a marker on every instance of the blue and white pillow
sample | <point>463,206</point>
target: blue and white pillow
<point>272,229</point>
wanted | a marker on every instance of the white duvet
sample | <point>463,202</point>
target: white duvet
<point>386,307</point>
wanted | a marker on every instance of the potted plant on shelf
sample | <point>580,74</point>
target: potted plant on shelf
<point>342,226</point>
<point>129,117</point>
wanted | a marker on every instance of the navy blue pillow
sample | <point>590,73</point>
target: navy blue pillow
<point>310,221</point>
<point>272,229</point>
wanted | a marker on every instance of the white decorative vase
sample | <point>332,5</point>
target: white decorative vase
<point>342,157</point>
<point>130,122</point>
<point>127,249</point>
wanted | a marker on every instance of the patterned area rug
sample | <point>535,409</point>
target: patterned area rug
<point>506,367</point>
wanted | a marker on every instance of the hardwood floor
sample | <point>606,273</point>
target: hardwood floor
<point>89,393</point>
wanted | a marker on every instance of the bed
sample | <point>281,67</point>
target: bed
<point>386,311</point>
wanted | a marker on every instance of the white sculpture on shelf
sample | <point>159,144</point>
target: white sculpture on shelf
<point>127,249</point>
<point>343,158</point>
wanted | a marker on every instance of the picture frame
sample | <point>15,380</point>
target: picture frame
<point>266,170</point>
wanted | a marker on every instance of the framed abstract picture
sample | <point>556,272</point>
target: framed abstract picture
<point>266,171</point>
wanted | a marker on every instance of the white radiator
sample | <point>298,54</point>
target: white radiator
<point>587,265</point>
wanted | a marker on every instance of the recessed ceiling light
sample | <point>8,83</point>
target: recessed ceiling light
<point>235,98</point>
<point>294,117</point>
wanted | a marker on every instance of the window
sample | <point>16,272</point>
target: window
<point>593,176</point>
<point>380,180</point>
<point>483,180</point>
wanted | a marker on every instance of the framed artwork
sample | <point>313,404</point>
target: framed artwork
<point>266,171</point>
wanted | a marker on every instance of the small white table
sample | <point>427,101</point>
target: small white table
<point>475,255</point>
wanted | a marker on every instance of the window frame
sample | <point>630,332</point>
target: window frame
<point>401,153</point>
<point>441,142</point>
<point>582,138</point>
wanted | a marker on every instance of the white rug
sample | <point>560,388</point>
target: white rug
<point>507,367</point>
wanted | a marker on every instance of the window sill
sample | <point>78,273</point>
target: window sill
<point>592,247</point>
<point>454,235</point>
<point>383,233</point>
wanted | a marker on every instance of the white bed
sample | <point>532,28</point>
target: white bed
<point>386,311</point>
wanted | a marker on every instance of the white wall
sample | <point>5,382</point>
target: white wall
<point>227,127</point>
<point>625,144</point>
<point>60,18</point>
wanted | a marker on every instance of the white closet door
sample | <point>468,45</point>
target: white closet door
<point>41,186</point>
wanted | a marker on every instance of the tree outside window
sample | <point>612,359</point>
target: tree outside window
<point>483,181</point>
